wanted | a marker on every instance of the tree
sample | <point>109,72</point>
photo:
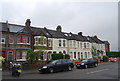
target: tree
<point>32,57</point>
<point>94,51</point>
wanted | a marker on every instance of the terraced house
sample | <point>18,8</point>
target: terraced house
<point>17,39</point>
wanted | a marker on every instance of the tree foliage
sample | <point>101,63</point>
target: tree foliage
<point>32,57</point>
<point>94,51</point>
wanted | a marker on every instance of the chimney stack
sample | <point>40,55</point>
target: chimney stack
<point>27,23</point>
<point>59,29</point>
<point>95,36</point>
<point>80,33</point>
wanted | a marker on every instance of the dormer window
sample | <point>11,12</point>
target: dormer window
<point>66,34</point>
<point>47,33</point>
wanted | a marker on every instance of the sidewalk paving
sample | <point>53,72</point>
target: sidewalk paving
<point>8,72</point>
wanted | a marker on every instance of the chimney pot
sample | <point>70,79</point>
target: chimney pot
<point>80,33</point>
<point>27,23</point>
<point>59,28</point>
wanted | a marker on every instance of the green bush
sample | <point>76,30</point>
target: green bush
<point>113,54</point>
<point>32,57</point>
<point>67,56</point>
<point>56,56</point>
<point>99,57</point>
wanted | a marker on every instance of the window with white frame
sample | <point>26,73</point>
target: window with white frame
<point>60,43</point>
<point>36,40</point>
<point>2,40</point>
<point>74,43</point>
<point>49,43</point>
<point>74,55</point>
<point>11,39</point>
<point>89,54</point>
<point>85,54</point>
<point>80,45</point>
<point>70,43</point>
<point>87,45</point>
<point>84,45</point>
<point>40,40</point>
<point>24,53</point>
<point>81,55</point>
<point>63,43</point>
<point>18,55</point>
<point>44,41</point>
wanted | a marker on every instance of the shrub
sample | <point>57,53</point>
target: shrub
<point>56,56</point>
<point>67,56</point>
<point>32,57</point>
<point>113,54</point>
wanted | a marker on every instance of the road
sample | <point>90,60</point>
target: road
<point>103,71</point>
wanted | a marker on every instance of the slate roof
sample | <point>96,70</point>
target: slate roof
<point>56,34</point>
<point>90,39</point>
<point>3,27</point>
<point>26,30</point>
<point>50,33</point>
<point>106,42</point>
<point>97,40</point>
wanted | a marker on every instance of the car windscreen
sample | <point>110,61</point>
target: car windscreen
<point>84,60</point>
<point>53,62</point>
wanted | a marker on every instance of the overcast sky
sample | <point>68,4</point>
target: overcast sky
<point>92,18</point>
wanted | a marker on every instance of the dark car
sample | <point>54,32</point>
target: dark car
<point>57,65</point>
<point>87,63</point>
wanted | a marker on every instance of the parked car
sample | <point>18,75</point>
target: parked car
<point>87,63</point>
<point>57,65</point>
<point>112,59</point>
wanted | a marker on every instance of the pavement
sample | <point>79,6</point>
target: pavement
<point>8,72</point>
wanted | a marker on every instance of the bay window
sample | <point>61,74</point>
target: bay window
<point>23,39</point>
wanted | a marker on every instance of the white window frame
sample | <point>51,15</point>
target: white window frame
<point>88,45</point>
<point>2,39</point>
<point>8,53</point>
<point>80,44</point>
<point>64,42</point>
<point>39,44</point>
<point>24,56</point>
<point>49,42</point>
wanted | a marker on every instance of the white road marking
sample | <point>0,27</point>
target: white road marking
<point>97,71</point>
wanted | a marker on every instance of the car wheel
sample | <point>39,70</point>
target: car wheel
<point>51,70</point>
<point>86,66</point>
<point>40,72</point>
<point>96,64</point>
<point>69,68</point>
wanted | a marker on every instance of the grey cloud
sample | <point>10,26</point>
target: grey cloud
<point>91,18</point>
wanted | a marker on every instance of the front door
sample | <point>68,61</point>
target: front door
<point>10,54</point>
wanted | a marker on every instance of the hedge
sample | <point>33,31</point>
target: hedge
<point>113,54</point>
<point>56,56</point>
